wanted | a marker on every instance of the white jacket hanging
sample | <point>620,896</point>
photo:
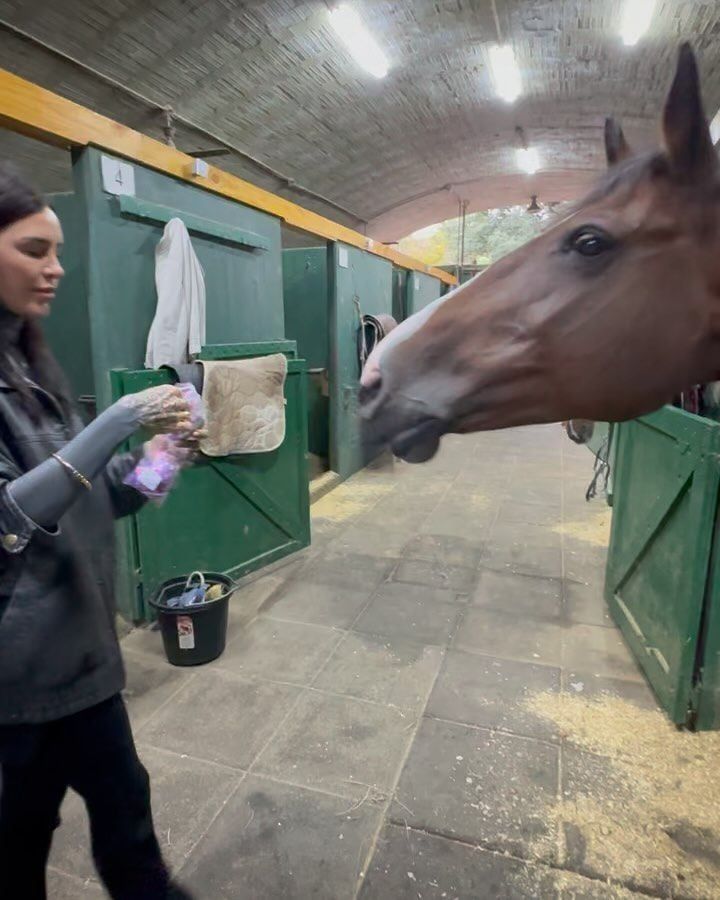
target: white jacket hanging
<point>178,329</point>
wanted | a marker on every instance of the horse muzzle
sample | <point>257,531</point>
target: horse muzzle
<point>411,432</point>
<point>419,443</point>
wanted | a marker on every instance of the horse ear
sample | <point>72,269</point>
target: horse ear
<point>617,148</point>
<point>685,128</point>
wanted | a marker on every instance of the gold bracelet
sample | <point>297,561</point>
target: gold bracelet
<point>78,476</point>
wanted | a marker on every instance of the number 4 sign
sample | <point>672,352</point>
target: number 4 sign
<point>117,177</point>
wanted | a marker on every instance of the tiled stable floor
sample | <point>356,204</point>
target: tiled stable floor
<point>370,733</point>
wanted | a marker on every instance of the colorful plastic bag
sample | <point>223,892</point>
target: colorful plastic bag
<point>164,456</point>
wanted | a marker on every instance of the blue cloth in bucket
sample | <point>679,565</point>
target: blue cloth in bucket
<point>191,596</point>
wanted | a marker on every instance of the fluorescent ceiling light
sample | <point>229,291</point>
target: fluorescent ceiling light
<point>362,45</point>
<point>528,159</point>
<point>505,72</point>
<point>636,19</point>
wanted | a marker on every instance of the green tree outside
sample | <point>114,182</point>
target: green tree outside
<point>488,237</point>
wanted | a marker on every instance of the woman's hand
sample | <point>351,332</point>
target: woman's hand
<point>190,443</point>
<point>160,409</point>
<point>184,448</point>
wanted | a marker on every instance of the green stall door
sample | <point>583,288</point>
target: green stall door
<point>360,284</point>
<point>665,502</point>
<point>421,291</point>
<point>232,515</point>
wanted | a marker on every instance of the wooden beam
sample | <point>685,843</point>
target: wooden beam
<point>31,110</point>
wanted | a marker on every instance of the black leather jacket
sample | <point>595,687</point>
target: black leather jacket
<point>59,652</point>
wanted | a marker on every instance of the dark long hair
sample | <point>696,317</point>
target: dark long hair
<point>18,199</point>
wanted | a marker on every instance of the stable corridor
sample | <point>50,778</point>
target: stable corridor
<point>430,703</point>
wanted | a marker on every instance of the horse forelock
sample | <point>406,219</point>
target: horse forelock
<point>627,176</point>
<point>642,170</point>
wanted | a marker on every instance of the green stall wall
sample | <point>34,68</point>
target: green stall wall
<point>68,326</point>
<point>305,294</point>
<point>244,300</point>
<point>100,323</point>
<point>306,303</point>
<point>360,283</point>
<point>421,290</point>
<point>399,293</point>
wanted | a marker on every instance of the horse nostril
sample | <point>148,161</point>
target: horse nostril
<point>369,392</point>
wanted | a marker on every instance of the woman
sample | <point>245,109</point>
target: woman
<point>62,719</point>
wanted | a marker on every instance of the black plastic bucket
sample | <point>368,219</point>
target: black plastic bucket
<point>193,635</point>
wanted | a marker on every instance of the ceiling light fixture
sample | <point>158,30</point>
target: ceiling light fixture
<point>505,72</point>
<point>527,159</point>
<point>362,45</point>
<point>636,19</point>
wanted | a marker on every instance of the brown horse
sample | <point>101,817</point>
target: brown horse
<point>604,317</point>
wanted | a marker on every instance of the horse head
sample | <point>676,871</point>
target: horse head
<point>604,316</point>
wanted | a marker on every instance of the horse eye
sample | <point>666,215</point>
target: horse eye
<point>590,242</point>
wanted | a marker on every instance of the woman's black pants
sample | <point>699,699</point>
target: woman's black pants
<point>93,753</point>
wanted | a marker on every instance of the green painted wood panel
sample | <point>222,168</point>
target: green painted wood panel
<point>155,212</point>
<point>68,326</point>
<point>243,286</point>
<point>612,458</point>
<point>707,690</point>
<point>306,302</point>
<point>360,282</point>
<point>318,406</point>
<point>665,500</point>
<point>421,290</point>
<point>399,297</point>
<point>231,515</point>
<point>254,348</point>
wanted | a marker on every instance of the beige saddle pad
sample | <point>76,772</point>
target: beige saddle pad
<point>244,405</point>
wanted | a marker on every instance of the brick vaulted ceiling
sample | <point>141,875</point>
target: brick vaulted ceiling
<point>271,80</point>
